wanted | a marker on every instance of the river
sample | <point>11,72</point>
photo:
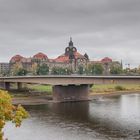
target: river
<point>105,118</point>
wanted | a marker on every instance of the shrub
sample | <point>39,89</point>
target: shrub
<point>119,88</point>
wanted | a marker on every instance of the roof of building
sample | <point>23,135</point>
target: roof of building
<point>62,58</point>
<point>95,62</point>
<point>40,56</point>
<point>78,55</point>
<point>106,60</point>
<point>65,58</point>
<point>26,60</point>
<point>16,58</point>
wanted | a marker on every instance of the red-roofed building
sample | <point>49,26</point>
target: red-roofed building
<point>70,59</point>
<point>106,60</point>
<point>62,59</point>
<point>16,58</point>
<point>72,56</point>
<point>40,56</point>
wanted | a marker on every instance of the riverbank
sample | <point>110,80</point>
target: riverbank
<point>43,94</point>
<point>39,100</point>
<point>95,88</point>
<point>114,90</point>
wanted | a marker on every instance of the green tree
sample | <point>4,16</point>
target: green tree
<point>81,70</point>
<point>43,69</point>
<point>95,69</point>
<point>21,72</point>
<point>9,112</point>
<point>115,70</point>
<point>60,71</point>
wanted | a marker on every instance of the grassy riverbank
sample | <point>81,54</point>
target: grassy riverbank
<point>41,88</point>
<point>107,88</point>
<point>114,89</point>
<point>42,94</point>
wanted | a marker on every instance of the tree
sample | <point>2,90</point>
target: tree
<point>15,68</point>
<point>81,70</point>
<point>34,68</point>
<point>18,70</point>
<point>9,112</point>
<point>115,70</point>
<point>21,72</point>
<point>43,69</point>
<point>60,71</point>
<point>95,69</point>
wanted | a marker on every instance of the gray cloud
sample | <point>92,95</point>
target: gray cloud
<point>99,27</point>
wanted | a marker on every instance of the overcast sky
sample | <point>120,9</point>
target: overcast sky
<point>98,27</point>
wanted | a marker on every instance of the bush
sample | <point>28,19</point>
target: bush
<point>119,88</point>
<point>9,112</point>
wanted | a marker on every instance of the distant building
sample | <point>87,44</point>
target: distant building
<point>26,63</point>
<point>4,68</point>
<point>70,59</point>
<point>107,64</point>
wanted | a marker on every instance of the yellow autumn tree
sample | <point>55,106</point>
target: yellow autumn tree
<point>9,112</point>
<point>16,67</point>
<point>34,68</point>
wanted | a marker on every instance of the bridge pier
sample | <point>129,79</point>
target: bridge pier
<point>2,85</point>
<point>19,86</point>
<point>7,85</point>
<point>70,93</point>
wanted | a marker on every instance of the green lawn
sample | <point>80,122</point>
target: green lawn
<point>115,87</point>
<point>41,88</point>
<point>95,88</point>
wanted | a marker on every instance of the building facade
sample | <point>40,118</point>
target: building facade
<point>4,68</point>
<point>71,59</point>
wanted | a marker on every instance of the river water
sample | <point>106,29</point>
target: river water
<point>105,118</point>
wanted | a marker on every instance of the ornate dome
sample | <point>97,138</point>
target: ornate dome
<point>40,56</point>
<point>106,60</point>
<point>16,58</point>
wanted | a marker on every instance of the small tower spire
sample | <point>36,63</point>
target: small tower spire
<point>70,43</point>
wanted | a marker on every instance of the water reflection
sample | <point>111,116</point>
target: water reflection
<point>105,118</point>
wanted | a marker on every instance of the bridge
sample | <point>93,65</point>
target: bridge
<point>69,88</point>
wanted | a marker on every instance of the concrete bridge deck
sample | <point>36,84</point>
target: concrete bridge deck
<point>72,80</point>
